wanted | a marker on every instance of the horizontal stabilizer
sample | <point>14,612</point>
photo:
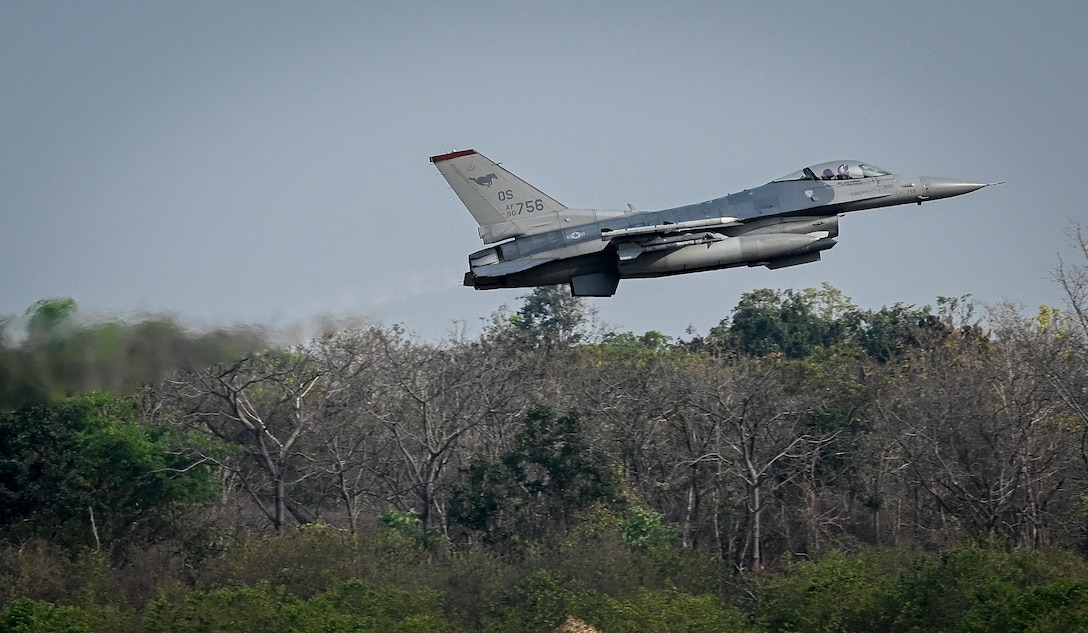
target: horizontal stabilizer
<point>510,267</point>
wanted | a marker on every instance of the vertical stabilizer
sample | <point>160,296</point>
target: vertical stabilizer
<point>503,204</point>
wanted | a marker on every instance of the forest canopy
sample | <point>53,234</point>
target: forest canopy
<point>554,465</point>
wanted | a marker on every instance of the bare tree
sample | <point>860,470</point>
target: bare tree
<point>759,434</point>
<point>264,406</point>
<point>979,439</point>
<point>437,402</point>
<point>353,452</point>
<point>627,394</point>
<point>1066,371</point>
<point>1073,279</point>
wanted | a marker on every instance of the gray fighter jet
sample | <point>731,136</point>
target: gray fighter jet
<point>785,222</point>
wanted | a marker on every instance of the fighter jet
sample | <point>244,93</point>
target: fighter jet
<point>786,222</point>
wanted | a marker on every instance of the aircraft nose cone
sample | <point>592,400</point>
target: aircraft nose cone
<point>936,188</point>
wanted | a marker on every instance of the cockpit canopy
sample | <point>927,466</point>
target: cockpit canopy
<point>836,170</point>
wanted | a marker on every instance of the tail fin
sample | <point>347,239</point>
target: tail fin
<point>503,204</point>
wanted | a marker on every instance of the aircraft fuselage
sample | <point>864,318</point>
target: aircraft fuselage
<point>785,222</point>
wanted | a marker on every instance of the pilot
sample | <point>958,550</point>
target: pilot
<point>827,175</point>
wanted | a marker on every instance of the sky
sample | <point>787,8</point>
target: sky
<point>266,163</point>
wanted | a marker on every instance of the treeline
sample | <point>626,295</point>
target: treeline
<point>550,464</point>
<point>50,353</point>
<point>323,580</point>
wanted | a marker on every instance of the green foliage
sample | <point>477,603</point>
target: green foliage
<point>91,493</point>
<point>31,616</point>
<point>550,317</point>
<point>485,498</point>
<point>85,471</point>
<point>541,603</point>
<point>1053,608</point>
<point>798,324</point>
<point>644,528</point>
<point>61,356</point>
<point>315,558</point>
<point>551,459</point>
<point>963,591</point>
<point>39,570</point>
<point>839,593</point>
<point>976,590</point>
<point>51,319</point>
<point>670,612</point>
<point>350,608</point>
<point>886,332</point>
<point>788,323</point>
<point>651,341</point>
<point>550,474</point>
<point>410,526</point>
<point>597,556</point>
<point>305,561</point>
<point>619,350</point>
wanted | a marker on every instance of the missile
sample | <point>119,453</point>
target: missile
<point>668,227</point>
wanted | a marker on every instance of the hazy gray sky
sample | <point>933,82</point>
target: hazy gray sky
<point>263,162</point>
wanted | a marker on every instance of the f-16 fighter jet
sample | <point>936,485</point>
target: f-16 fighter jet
<point>786,222</point>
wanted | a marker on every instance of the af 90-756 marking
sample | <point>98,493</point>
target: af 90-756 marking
<point>517,208</point>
